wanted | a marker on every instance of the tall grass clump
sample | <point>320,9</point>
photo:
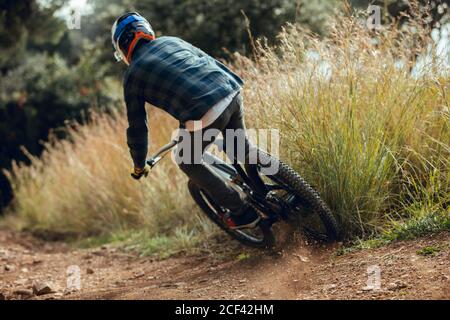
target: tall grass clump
<point>82,187</point>
<point>359,117</point>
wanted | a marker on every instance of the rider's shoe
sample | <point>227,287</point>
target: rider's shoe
<point>247,217</point>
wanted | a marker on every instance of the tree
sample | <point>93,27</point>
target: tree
<point>44,82</point>
<point>26,25</point>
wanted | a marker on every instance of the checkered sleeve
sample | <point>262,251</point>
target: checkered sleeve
<point>137,132</point>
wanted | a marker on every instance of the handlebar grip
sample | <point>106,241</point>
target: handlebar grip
<point>151,162</point>
<point>159,154</point>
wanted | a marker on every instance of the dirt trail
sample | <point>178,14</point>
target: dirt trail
<point>301,273</point>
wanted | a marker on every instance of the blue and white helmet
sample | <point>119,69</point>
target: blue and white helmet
<point>135,27</point>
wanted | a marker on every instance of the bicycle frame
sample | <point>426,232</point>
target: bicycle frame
<point>252,184</point>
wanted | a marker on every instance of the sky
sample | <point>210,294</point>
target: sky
<point>78,4</point>
<point>74,5</point>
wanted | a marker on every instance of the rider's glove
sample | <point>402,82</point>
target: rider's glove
<point>140,172</point>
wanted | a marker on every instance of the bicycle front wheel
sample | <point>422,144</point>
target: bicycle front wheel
<point>258,237</point>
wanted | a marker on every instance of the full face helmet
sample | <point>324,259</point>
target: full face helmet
<point>126,31</point>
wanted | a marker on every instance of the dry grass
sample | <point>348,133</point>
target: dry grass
<point>370,136</point>
<point>82,186</point>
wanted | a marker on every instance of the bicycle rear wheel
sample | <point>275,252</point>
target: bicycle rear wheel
<point>312,213</point>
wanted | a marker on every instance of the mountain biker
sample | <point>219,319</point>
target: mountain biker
<point>194,88</point>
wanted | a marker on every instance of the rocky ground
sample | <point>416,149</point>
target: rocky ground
<point>34,269</point>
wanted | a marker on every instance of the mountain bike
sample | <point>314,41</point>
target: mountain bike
<point>283,196</point>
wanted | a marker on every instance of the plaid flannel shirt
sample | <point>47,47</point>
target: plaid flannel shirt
<point>177,77</point>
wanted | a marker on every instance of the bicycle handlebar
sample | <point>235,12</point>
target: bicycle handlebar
<point>159,154</point>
